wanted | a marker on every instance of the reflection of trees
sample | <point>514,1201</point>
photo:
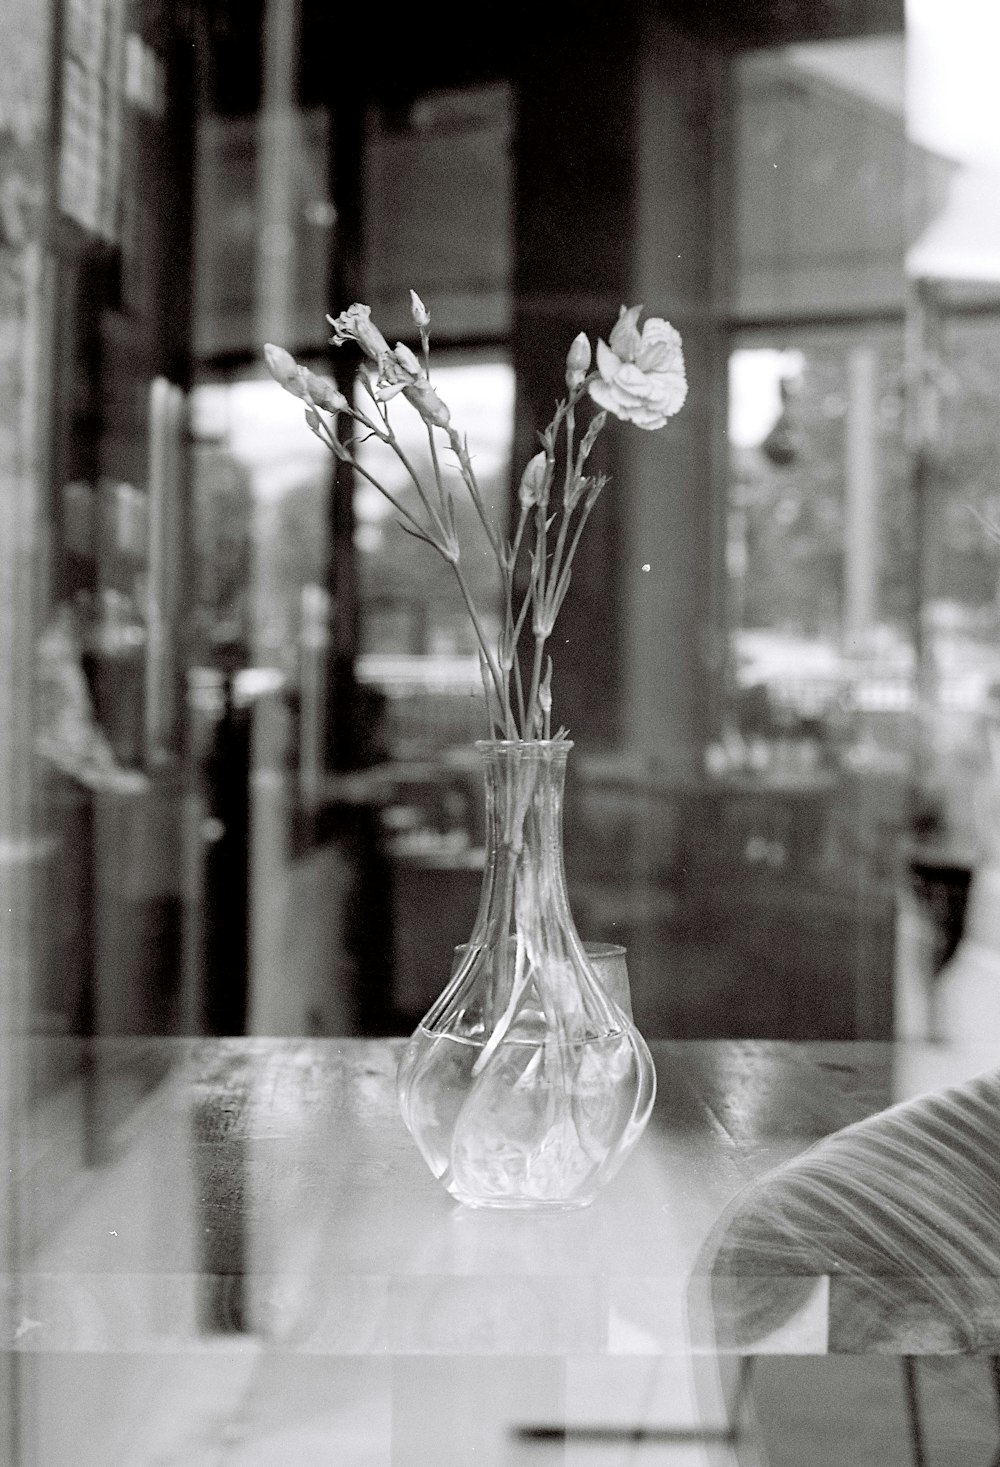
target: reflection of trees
<point>793,513</point>
<point>968,561</point>
<point>291,551</point>
<point>223,540</point>
<point>299,552</point>
<point>252,561</point>
<point>793,510</point>
<point>398,572</point>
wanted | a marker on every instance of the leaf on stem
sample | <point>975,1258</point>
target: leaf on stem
<point>419,535</point>
<point>493,709</point>
<point>558,596</point>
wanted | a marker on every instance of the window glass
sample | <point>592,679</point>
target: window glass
<point>416,640</point>
<point>820,554</point>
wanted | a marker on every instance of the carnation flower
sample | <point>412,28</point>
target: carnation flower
<point>355,324</point>
<point>400,371</point>
<point>641,375</point>
<point>639,378</point>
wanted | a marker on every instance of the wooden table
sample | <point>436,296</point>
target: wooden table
<point>256,1246</point>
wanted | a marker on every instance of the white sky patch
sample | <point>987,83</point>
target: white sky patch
<point>264,428</point>
<point>755,377</point>
<point>953,109</point>
<point>480,398</point>
<point>952,96</point>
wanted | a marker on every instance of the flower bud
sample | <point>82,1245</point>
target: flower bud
<point>597,422</point>
<point>545,690</point>
<point>285,370</point>
<point>428,404</point>
<point>577,361</point>
<point>421,315</point>
<point>355,324</point>
<point>533,480</point>
<point>323,393</point>
<point>406,359</point>
<point>594,487</point>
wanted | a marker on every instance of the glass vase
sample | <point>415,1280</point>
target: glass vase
<point>525,1085</point>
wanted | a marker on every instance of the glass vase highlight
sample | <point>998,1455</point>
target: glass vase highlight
<point>525,1085</point>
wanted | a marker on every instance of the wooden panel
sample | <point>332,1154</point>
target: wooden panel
<point>437,215</point>
<point>821,179</point>
<point>228,219</point>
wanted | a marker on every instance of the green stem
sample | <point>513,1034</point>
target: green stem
<point>514,631</point>
<point>570,426</point>
<point>491,663</point>
<point>436,464</point>
<point>557,554</point>
<point>439,526</point>
<point>584,516</point>
<point>519,689</point>
<point>399,506</point>
<point>567,484</point>
<point>465,465</point>
<point>536,677</point>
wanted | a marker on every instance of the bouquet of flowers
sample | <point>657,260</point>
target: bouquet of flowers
<point>639,378</point>
<point>526,1083</point>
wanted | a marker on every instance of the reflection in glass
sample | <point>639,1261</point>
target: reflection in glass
<point>899,1213</point>
<point>416,643</point>
<point>818,560</point>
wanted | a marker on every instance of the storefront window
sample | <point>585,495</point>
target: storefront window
<point>820,553</point>
<point>417,645</point>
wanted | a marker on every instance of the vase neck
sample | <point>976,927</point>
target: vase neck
<point>525,784</point>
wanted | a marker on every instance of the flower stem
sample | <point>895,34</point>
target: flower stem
<point>441,529</point>
<point>570,425</point>
<point>512,630</point>
<point>501,692</point>
<point>436,464</point>
<point>534,711</point>
<point>560,588</point>
<point>461,452</point>
<point>397,504</point>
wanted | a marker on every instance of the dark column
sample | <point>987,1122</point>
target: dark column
<point>672,499</point>
<point>614,177</point>
<point>574,216</point>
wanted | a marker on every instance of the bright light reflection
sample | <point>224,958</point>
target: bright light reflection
<point>480,398</point>
<point>264,429</point>
<point>755,378</point>
<point>952,97</point>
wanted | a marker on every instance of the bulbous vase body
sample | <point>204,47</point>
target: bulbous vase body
<point>525,1085</point>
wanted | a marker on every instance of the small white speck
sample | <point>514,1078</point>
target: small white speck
<point>774,165</point>
<point>647,566</point>
<point>113,1232</point>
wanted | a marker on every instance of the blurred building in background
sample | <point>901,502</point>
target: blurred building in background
<point>240,706</point>
<point>238,792</point>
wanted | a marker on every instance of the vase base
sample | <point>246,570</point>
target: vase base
<point>521,1204</point>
